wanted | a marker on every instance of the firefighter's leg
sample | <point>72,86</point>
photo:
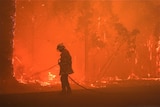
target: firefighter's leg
<point>63,84</point>
<point>67,84</point>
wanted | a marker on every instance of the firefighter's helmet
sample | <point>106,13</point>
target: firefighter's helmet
<point>60,47</point>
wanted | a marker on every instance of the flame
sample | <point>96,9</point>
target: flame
<point>132,76</point>
<point>150,47</point>
<point>51,76</point>
<point>24,78</point>
<point>50,80</point>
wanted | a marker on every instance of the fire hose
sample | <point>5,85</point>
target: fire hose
<point>44,70</point>
<point>68,76</point>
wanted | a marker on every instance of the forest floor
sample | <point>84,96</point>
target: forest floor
<point>124,94</point>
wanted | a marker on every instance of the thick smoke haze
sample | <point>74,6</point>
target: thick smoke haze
<point>106,38</point>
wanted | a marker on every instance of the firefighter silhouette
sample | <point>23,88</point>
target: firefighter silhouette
<point>65,63</point>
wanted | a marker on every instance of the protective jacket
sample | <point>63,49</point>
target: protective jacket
<point>65,62</point>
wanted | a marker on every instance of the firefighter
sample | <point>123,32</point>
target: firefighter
<point>65,63</point>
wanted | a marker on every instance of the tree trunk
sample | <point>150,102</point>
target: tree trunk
<point>7,12</point>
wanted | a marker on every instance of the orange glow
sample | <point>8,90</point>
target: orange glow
<point>106,44</point>
<point>37,34</point>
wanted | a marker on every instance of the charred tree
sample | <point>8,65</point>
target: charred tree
<point>7,11</point>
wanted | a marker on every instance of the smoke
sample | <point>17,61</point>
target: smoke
<point>87,28</point>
